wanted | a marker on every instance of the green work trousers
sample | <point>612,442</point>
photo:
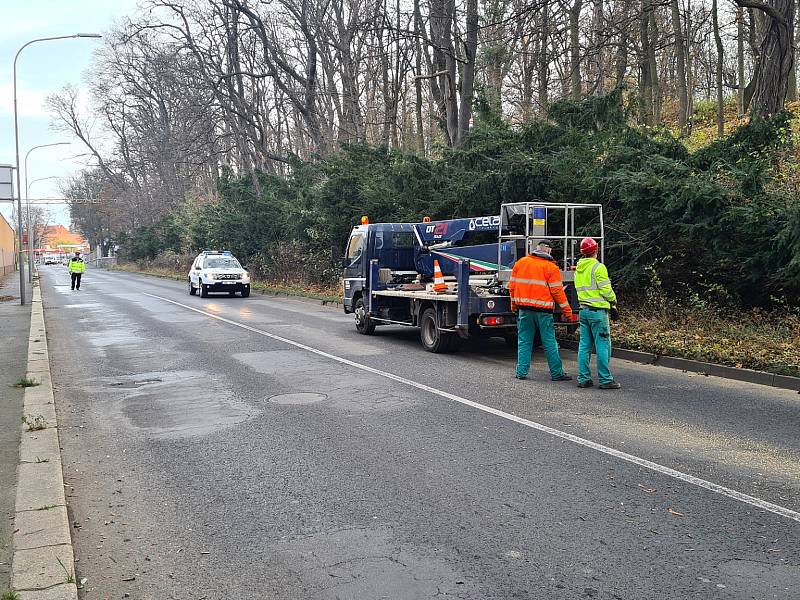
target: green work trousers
<point>528,322</point>
<point>594,331</point>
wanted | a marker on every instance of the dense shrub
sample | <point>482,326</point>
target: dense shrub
<point>705,223</point>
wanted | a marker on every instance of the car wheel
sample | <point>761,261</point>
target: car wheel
<point>364,325</point>
<point>192,289</point>
<point>203,289</point>
<point>434,340</point>
<point>245,292</point>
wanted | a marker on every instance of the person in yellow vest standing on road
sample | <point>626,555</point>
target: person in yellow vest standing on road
<point>76,268</point>
<point>598,301</point>
<point>535,289</point>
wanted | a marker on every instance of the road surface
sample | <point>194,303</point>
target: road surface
<point>229,448</point>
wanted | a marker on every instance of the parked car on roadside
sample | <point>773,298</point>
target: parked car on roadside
<point>215,271</point>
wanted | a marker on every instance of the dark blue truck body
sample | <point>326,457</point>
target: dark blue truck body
<point>388,268</point>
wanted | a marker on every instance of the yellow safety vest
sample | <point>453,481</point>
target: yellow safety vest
<point>593,285</point>
<point>76,266</point>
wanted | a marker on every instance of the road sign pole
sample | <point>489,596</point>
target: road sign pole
<point>19,190</point>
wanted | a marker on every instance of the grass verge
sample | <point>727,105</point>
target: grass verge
<point>324,293</point>
<point>751,339</point>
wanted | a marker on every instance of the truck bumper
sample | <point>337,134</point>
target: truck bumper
<point>227,286</point>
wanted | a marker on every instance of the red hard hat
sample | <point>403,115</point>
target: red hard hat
<point>588,246</point>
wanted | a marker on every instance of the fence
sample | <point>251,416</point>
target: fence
<point>103,262</point>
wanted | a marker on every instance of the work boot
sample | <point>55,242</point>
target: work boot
<point>564,377</point>
<point>585,384</point>
<point>612,385</point>
<point>520,376</point>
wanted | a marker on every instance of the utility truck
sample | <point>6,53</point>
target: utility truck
<point>390,268</point>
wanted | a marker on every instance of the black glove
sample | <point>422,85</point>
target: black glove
<point>613,313</point>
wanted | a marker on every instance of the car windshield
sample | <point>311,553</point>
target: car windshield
<point>222,263</point>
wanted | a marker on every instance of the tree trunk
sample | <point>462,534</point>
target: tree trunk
<point>653,64</point>
<point>720,59</point>
<point>740,62</point>
<point>575,49</point>
<point>468,72</point>
<point>690,75</point>
<point>598,48</point>
<point>645,83</point>
<point>418,79</point>
<point>775,60</point>
<point>543,74</point>
<point>791,94</point>
<point>680,64</point>
<point>621,59</point>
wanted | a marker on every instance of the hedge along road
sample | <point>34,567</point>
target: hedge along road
<point>184,437</point>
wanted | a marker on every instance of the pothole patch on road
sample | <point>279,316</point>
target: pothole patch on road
<point>297,398</point>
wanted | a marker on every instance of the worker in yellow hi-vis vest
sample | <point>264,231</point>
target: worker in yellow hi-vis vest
<point>598,302</point>
<point>76,268</point>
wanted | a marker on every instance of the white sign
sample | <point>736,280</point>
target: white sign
<point>6,186</point>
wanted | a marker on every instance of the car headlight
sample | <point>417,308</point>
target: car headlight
<point>209,276</point>
<point>245,278</point>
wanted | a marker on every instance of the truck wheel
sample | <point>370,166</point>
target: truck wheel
<point>192,289</point>
<point>432,339</point>
<point>202,289</point>
<point>245,292</point>
<point>364,325</point>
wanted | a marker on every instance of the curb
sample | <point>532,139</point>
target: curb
<point>785,382</point>
<point>43,566</point>
<point>279,294</point>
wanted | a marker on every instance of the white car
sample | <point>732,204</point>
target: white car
<point>214,271</point>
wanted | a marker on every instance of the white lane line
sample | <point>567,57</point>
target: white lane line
<point>685,477</point>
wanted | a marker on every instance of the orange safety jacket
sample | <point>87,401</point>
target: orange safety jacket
<point>536,284</point>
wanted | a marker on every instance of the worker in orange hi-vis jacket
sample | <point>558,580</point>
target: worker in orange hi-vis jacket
<point>536,289</point>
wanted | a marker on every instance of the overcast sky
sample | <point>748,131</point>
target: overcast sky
<point>44,68</point>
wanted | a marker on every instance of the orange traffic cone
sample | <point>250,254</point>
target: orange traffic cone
<point>439,286</point>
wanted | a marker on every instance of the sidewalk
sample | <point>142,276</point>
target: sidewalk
<point>15,323</point>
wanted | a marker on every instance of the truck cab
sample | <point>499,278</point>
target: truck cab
<point>390,243</point>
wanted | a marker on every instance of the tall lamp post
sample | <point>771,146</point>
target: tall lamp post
<point>28,203</point>
<point>16,142</point>
<point>30,226</point>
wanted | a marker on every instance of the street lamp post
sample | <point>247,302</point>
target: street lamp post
<point>16,142</point>
<point>28,203</point>
<point>30,226</point>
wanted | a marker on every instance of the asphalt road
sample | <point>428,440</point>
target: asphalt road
<point>193,470</point>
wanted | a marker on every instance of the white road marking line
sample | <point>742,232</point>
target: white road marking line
<point>685,477</point>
